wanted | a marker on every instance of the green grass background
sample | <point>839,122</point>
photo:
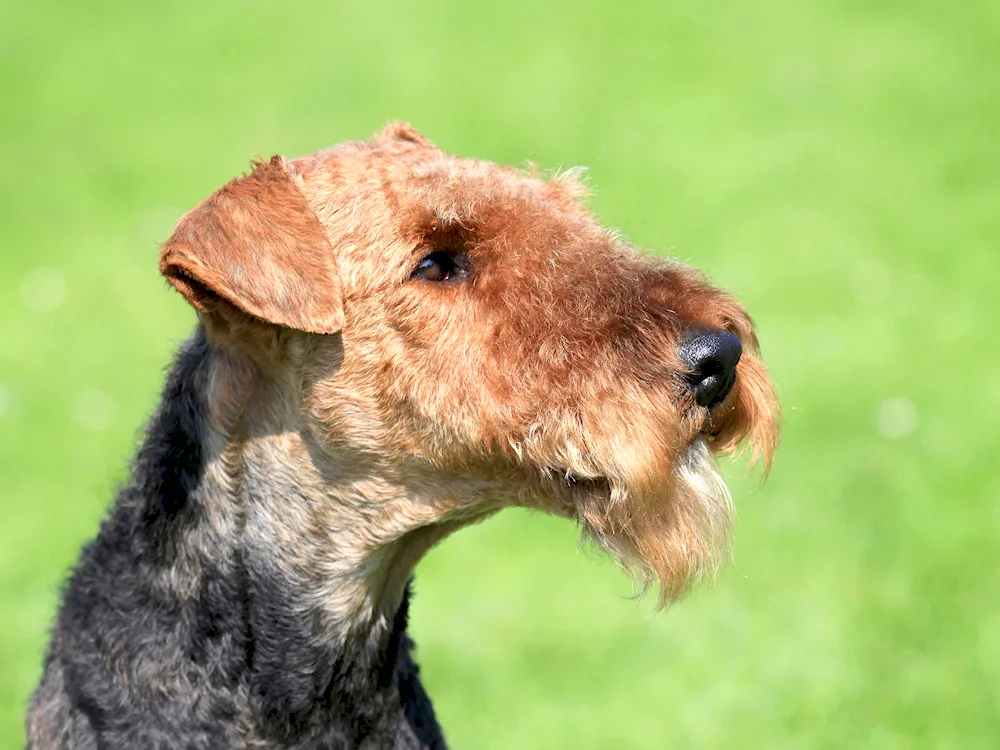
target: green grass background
<point>837,164</point>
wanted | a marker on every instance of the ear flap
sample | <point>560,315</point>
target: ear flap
<point>257,245</point>
<point>402,131</point>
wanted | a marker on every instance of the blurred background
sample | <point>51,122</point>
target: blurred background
<point>836,164</point>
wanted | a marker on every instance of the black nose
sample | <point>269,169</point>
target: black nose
<point>712,359</point>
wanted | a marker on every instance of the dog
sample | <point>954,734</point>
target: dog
<point>392,343</point>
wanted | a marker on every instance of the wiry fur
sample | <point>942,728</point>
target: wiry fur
<point>334,418</point>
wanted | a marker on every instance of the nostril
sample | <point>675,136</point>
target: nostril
<point>711,358</point>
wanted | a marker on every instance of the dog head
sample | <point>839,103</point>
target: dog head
<point>441,337</point>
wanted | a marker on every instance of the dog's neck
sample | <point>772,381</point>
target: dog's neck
<point>332,522</point>
<point>323,598</point>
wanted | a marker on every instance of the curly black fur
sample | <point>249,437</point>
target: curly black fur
<point>171,635</point>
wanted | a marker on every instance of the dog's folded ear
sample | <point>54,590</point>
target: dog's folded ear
<point>256,245</point>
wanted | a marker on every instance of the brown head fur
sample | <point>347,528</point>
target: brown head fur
<point>547,376</point>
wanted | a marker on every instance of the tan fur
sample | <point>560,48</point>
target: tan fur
<point>255,245</point>
<point>363,415</point>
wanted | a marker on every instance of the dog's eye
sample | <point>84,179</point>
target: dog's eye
<point>442,265</point>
